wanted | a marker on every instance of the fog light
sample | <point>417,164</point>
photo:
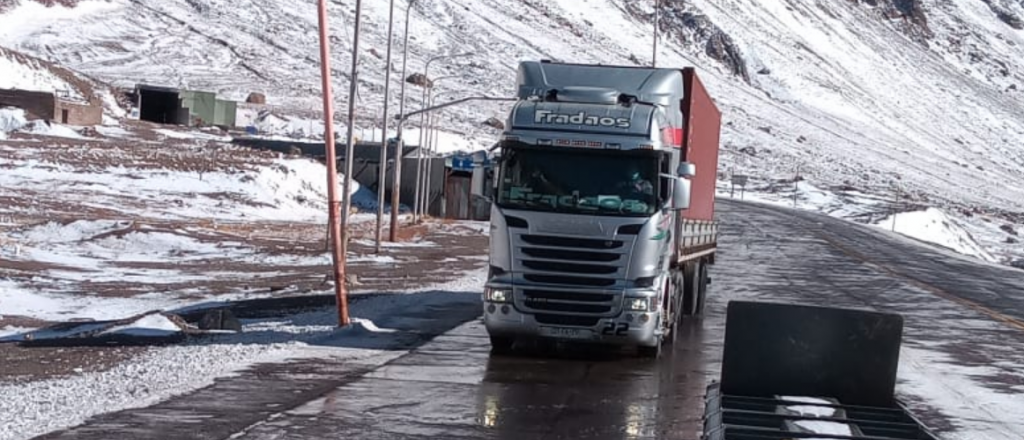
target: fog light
<point>644,318</point>
<point>637,304</point>
<point>490,308</point>
<point>498,295</point>
<point>504,310</point>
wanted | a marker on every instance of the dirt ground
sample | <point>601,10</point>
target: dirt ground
<point>440,251</point>
<point>457,248</point>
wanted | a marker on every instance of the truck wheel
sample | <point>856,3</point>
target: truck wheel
<point>702,290</point>
<point>501,345</point>
<point>671,311</point>
<point>691,289</point>
<point>649,352</point>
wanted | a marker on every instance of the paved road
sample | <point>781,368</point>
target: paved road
<point>961,366</point>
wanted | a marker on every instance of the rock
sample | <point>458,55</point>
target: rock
<point>420,80</point>
<point>1008,229</point>
<point>220,319</point>
<point>764,71</point>
<point>722,48</point>
<point>1007,17</point>
<point>352,280</point>
<point>495,122</point>
<point>256,98</point>
<point>765,129</point>
<point>801,139</point>
<point>1019,264</point>
<point>750,151</point>
<point>373,51</point>
<point>1011,240</point>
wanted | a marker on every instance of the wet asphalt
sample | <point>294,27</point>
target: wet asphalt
<point>448,386</point>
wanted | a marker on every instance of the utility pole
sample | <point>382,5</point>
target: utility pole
<point>337,251</point>
<point>657,17</point>
<point>420,168</point>
<point>895,207</point>
<point>383,166</point>
<point>396,185</point>
<point>346,205</point>
<point>796,185</point>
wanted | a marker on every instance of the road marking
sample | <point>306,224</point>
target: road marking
<point>1005,319</point>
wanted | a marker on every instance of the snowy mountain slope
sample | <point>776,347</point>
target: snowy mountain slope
<point>927,94</point>
<point>19,71</point>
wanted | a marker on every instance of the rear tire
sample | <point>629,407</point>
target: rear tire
<point>691,289</point>
<point>702,289</point>
<point>501,345</point>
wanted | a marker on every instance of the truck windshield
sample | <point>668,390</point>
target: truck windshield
<point>579,180</point>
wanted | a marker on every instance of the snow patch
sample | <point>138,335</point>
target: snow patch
<point>192,135</point>
<point>150,325</point>
<point>45,128</point>
<point>11,119</point>
<point>934,226</point>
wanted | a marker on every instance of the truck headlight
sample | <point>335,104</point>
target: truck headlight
<point>638,304</point>
<point>498,295</point>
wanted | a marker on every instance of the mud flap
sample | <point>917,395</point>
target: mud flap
<point>792,350</point>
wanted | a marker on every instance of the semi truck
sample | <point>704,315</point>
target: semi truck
<point>602,222</point>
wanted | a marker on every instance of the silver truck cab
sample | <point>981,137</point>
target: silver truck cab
<point>585,208</point>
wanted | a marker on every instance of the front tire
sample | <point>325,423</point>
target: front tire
<point>649,352</point>
<point>501,345</point>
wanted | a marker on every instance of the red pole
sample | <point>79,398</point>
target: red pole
<point>334,206</point>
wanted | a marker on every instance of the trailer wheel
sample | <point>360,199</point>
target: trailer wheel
<point>691,289</point>
<point>702,283</point>
<point>501,345</point>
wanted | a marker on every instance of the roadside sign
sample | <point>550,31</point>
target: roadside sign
<point>741,180</point>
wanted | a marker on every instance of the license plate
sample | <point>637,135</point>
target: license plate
<point>566,333</point>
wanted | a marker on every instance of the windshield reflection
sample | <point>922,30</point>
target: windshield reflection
<point>579,180</point>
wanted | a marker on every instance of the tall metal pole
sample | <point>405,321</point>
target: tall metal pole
<point>337,250</point>
<point>346,205</point>
<point>895,207</point>
<point>400,148</point>
<point>419,154</point>
<point>431,143</point>
<point>657,16</point>
<point>418,208</point>
<point>425,183</point>
<point>381,169</point>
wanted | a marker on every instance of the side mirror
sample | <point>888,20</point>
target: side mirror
<point>680,194</point>
<point>686,169</point>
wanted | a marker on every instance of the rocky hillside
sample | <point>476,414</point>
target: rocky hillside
<point>923,95</point>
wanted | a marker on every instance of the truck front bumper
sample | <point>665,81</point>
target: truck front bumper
<point>628,328</point>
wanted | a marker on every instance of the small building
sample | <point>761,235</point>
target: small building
<point>466,174</point>
<point>51,107</point>
<point>165,105</point>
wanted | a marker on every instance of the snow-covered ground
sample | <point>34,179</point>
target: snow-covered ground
<point>38,407</point>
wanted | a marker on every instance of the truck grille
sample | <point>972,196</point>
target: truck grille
<point>564,269</point>
<point>578,321</point>
<point>587,243</point>
<point>573,302</point>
